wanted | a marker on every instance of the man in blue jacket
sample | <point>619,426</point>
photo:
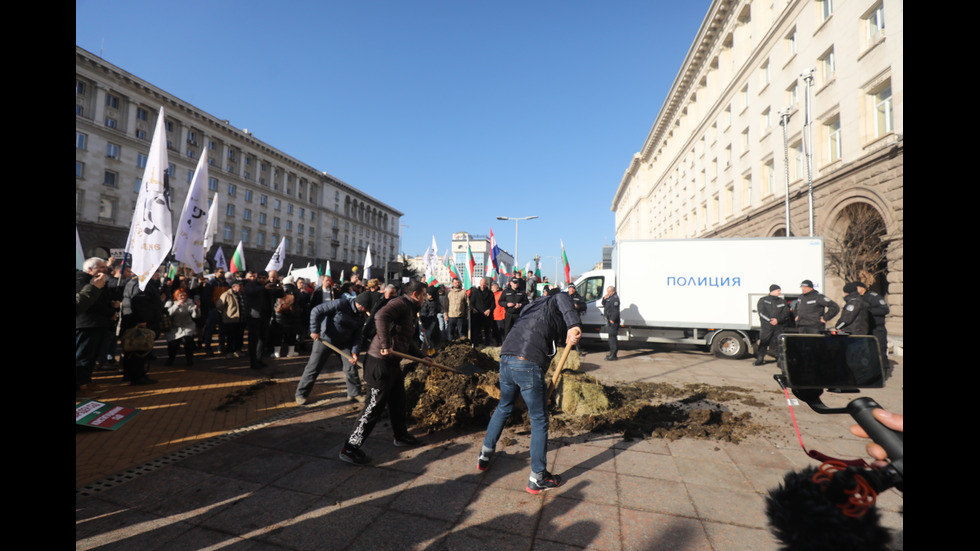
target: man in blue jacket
<point>524,359</point>
<point>338,322</point>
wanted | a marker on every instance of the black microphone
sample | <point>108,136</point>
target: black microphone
<point>819,509</point>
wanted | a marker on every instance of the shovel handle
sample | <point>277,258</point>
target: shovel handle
<point>414,359</point>
<point>343,354</point>
<point>557,374</point>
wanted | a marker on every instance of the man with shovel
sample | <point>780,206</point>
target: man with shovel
<point>335,327</point>
<point>397,333</point>
<point>524,359</point>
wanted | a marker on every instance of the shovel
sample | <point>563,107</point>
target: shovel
<point>557,375</point>
<point>465,369</point>
<point>342,354</point>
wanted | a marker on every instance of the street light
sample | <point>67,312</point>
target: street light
<point>517,222</point>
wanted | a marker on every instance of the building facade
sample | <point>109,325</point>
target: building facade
<point>264,195</point>
<point>729,156</point>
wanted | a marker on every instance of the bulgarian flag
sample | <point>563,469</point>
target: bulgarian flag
<point>326,272</point>
<point>470,265</point>
<point>238,259</point>
<point>564,263</point>
<point>453,274</point>
<point>171,271</point>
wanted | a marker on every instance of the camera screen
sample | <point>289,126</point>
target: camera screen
<point>831,361</point>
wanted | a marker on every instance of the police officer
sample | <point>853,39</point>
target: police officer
<point>878,309</point>
<point>855,318</point>
<point>610,307</point>
<point>513,298</point>
<point>813,310</point>
<point>773,316</point>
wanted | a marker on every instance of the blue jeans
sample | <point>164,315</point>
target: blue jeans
<point>526,378</point>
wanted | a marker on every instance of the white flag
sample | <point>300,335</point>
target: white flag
<point>431,261</point>
<point>79,255</point>
<point>219,260</point>
<point>151,233</point>
<point>367,264</point>
<point>212,227</point>
<point>278,257</point>
<point>189,241</point>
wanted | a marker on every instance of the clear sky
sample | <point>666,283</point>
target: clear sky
<point>452,112</point>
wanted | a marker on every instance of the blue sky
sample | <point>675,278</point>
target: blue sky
<point>452,112</point>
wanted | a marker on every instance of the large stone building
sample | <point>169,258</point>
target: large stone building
<point>716,163</point>
<point>264,194</point>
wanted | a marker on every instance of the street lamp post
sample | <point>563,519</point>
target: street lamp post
<point>517,222</point>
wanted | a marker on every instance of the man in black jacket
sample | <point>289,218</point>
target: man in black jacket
<point>94,323</point>
<point>339,323</point>
<point>773,317</point>
<point>512,299</point>
<point>813,310</point>
<point>481,304</point>
<point>610,307</point>
<point>878,308</point>
<point>854,319</point>
<point>524,359</point>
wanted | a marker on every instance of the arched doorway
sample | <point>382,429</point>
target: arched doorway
<point>857,247</point>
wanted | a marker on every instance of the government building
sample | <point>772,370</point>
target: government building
<point>264,194</point>
<point>730,153</point>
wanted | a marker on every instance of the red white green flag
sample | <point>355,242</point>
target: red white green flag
<point>238,259</point>
<point>470,266</point>
<point>451,266</point>
<point>564,263</point>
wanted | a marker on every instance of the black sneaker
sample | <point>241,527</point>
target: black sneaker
<point>483,463</point>
<point>547,481</point>
<point>407,441</point>
<point>353,455</point>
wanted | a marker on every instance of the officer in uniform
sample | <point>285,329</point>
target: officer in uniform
<point>855,319</point>
<point>513,298</point>
<point>773,317</point>
<point>878,309</point>
<point>813,310</point>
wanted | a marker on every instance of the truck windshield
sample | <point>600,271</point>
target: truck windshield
<point>592,289</point>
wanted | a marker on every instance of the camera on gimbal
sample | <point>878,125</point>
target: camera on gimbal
<point>832,506</point>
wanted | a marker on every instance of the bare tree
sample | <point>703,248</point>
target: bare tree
<point>859,252</point>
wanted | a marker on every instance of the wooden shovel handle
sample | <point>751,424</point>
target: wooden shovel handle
<point>557,374</point>
<point>414,359</point>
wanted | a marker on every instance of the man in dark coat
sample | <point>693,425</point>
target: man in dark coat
<point>813,310</point>
<point>339,323</point>
<point>94,323</point>
<point>773,316</point>
<point>524,359</point>
<point>610,307</point>
<point>854,319</point>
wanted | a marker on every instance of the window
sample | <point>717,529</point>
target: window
<point>882,106</point>
<point>300,228</point>
<point>247,214</point>
<point>791,44</point>
<point>79,169</point>
<point>229,230</point>
<point>212,144</point>
<point>263,200</point>
<point>289,225</point>
<point>832,129</point>
<point>262,218</point>
<point>112,101</point>
<point>137,184</point>
<point>109,179</point>
<point>141,134</point>
<point>289,208</point>
<point>81,140</point>
<point>260,239</point>
<point>190,176</point>
<point>764,75</point>
<point>275,221</point>
<point>141,160</point>
<point>110,122</point>
<point>232,190</point>
<point>769,176</point>
<point>191,137</point>
<point>826,8</point>
<point>767,119</point>
<point>245,235</point>
<point>874,25</point>
<point>79,88</point>
<point>248,195</point>
<point>828,65</point>
<point>230,210</point>
<point>107,208</point>
<point>141,114</point>
<point>792,95</point>
<point>213,184</point>
<point>799,163</point>
<point>277,205</point>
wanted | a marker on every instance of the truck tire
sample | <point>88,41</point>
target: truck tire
<point>729,345</point>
